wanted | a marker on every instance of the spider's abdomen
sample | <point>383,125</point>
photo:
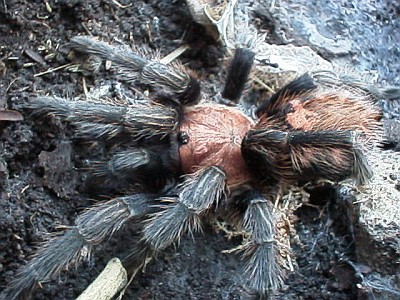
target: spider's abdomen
<point>215,133</point>
<point>313,136</point>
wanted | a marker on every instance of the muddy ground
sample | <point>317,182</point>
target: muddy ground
<point>42,186</point>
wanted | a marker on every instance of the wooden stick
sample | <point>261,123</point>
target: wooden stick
<point>110,281</point>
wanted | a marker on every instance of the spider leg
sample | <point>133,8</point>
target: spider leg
<point>343,154</point>
<point>198,194</point>
<point>98,120</point>
<point>306,155</point>
<point>278,101</point>
<point>92,227</point>
<point>180,214</point>
<point>133,67</point>
<point>262,272</point>
<point>135,165</point>
<point>123,163</point>
<point>239,71</point>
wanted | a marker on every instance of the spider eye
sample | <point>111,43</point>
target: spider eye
<point>183,138</point>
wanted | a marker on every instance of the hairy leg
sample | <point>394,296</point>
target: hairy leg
<point>278,102</point>
<point>238,74</point>
<point>92,227</point>
<point>134,167</point>
<point>180,214</point>
<point>99,120</point>
<point>262,272</point>
<point>306,155</point>
<point>170,80</point>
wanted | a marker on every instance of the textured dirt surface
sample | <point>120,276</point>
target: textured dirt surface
<point>41,181</point>
<point>342,32</point>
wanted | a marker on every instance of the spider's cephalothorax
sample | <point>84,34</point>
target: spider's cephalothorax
<point>213,151</point>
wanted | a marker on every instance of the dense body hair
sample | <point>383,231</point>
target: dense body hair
<point>305,133</point>
<point>185,161</point>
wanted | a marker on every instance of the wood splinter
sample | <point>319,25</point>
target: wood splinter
<point>109,282</point>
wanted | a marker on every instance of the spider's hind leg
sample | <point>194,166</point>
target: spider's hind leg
<point>238,74</point>
<point>278,101</point>
<point>262,273</point>
<point>332,155</point>
<point>306,155</point>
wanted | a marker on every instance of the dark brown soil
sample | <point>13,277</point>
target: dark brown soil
<point>40,160</point>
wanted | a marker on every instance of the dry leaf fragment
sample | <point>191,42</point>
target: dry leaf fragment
<point>10,115</point>
<point>35,56</point>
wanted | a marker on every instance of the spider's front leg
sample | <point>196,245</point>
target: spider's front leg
<point>100,120</point>
<point>198,194</point>
<point>94,226</point>
<point>144,124</point>
<point>173,81</point>
<point>134,167</point>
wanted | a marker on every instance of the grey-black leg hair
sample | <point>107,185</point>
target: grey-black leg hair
<point>238,74</point>
<point>262,273</point>
<point>278,101</point>
<point>99,120</point>
<point>171,80</point>
<point>306,155</point>
<point>332,154</point>
<point>95,225</point>
<point>125,164</point>
<point>179,214</point>
<point>153,165</point>
<point>198,194</point>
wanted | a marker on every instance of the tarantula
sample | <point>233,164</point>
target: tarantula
<point>216,157</point>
